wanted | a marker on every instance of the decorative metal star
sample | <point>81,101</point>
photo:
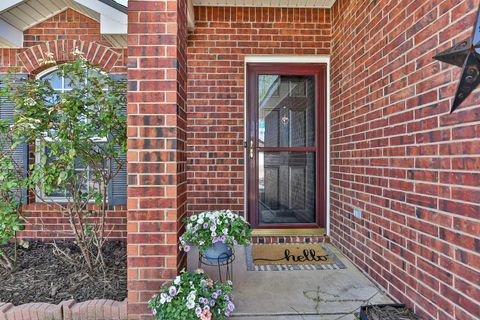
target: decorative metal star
<point>465,54</point>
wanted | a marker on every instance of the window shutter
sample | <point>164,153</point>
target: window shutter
<point>117,190</point>
<point>20,153</point>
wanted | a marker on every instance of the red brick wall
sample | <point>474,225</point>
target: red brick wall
<point>157,183</point>
<point>45,223</point>
<point>68,25</point>
<point>216,52</point>
<point>60,34</point>
<point>396,153</point>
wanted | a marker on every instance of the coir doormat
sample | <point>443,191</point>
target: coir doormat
<point>291,256</point>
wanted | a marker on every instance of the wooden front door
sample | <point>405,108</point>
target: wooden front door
<point>286,147</point>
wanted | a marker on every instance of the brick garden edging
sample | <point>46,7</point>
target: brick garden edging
<point>100,309</point>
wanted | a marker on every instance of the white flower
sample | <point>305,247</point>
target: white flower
<point>193,218</point>
<point>201,215</point>
<point>163,298</point>
<point>201,242</point>
<point>214,234</point>
<point>225,231</point>
<point>192,295</point>
<point>198,310</point>
<point>213,228</point>
<point>76,52</point>
<point>190,304</point>
<point>200,221</point>
<point>189,226</point>
<point>30,102</point>
<point>177,280</point>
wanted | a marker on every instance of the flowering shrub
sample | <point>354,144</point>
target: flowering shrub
<point>84,127</point>
<point>207,228</point>
<point>193,295</point>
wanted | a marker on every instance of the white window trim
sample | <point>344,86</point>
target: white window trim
<point>291,59</point>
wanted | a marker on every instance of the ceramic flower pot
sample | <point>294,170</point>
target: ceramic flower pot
<point>218,253</point>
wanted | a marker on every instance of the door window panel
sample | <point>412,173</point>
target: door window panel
<point>286,115</point>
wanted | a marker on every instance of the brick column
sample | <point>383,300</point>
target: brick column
<point>157,35</point>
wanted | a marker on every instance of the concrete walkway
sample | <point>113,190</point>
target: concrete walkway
<point>300,295</point>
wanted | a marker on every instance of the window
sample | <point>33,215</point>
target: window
<point>84,179</point>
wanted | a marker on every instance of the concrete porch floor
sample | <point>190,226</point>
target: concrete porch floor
<point>289,295</point>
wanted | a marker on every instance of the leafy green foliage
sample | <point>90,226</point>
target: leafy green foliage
<point>193,295</point>
<point>207,228</point>
<point>12,183</point>
<point>80,137</point>
<point>79,128</point>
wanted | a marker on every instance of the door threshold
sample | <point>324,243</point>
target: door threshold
<point>288,232</point>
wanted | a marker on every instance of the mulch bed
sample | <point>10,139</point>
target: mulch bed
<point>41,276</point>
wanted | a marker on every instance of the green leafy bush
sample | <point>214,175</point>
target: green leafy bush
<point>80,138</point>
<point>12,184</point>
<point>193,295</point>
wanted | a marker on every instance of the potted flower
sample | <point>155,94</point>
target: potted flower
<point>193,295</point>
<point>215,233</point>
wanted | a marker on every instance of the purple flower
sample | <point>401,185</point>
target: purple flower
<point>231,307</point>
<point>154,312</point>
<point>172,291</point>
<point>186,248</point>
<point>214,295</point>
<point>223,239</point>
<point>215,240</point>
<point>235,242</point>
<point>227,313</point>
<point>205,225</point>
<point>227,298</point>
<point>219,292</point>
<point>212,303</point>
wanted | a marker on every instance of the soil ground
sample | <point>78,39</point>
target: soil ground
<point>42,276</point>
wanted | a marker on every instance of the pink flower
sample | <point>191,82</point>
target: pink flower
<point>206,315</point>
<point>209,282</point>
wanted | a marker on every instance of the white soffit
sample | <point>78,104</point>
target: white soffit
<point>267,3</point>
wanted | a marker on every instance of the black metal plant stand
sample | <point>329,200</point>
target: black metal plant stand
<point>224,259</point>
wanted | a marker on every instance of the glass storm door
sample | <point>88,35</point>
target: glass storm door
<point>286,145</point>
